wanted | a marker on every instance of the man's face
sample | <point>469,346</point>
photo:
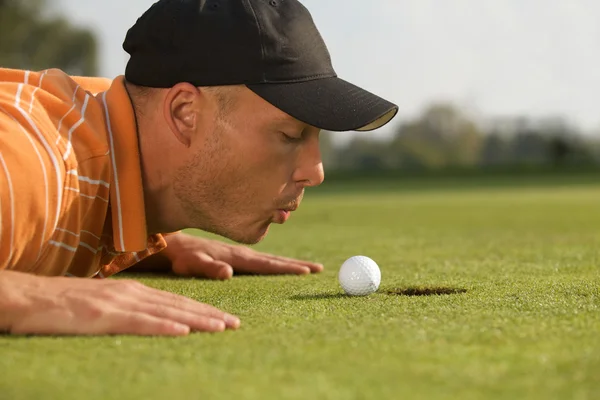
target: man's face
<point>247,166</point>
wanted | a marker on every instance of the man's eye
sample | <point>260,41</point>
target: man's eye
<point>291,139</point>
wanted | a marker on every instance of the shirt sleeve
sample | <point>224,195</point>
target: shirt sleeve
<point>94,85</point>
<point>31,179</point>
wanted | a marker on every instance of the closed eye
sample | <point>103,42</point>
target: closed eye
<point>291,139</point>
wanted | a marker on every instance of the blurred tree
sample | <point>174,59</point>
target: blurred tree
<point>566,145</point>
<point>540,142</point>
<point>442,136</point>
<point>363,154</point>
<point>495,150</point>
<point>529,147</point>
<point>560,150</point>
<point>31,40</point>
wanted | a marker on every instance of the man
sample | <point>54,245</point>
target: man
<point>214,126</point>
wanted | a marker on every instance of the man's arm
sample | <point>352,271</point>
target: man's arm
<point>37,305</point>
<point>192,256</point>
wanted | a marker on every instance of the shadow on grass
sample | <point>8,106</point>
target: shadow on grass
<point>425,291</point>
<point>410,291</point>
<point>173,277</point>
<point>322,296</point>
<point>148,275</point>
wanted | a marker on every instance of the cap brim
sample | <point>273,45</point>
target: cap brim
<point>331,104</point>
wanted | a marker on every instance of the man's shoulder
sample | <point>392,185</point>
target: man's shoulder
<point>90,84</point>
<point>55,78</point>
<point>50,105</point>
<point>94,85</point>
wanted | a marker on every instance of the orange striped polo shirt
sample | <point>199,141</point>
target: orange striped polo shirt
<point>71,196</point>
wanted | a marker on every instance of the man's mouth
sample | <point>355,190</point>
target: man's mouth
<point>282,216</point>
<point>284,211</point>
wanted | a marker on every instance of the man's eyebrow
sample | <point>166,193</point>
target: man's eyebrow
<point>289,120</point>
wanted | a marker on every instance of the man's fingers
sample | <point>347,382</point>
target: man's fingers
<point>135,323</point>
<point>212,269</point>
<point>199,323</point>
<point>314,267</point>
<point>251,261</point>
<point>105,321</point>
<point>108,307</point>
<point>258,263</point>
<point>159,298</point>
<point>204,267</point>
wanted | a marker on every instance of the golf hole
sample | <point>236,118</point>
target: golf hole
<point>426,291</point>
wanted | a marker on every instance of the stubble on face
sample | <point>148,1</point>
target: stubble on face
<point>227,191</point>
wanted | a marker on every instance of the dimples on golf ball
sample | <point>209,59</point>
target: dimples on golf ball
<point>359,276</point>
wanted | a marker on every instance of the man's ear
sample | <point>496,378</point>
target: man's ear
<point>181,111</point>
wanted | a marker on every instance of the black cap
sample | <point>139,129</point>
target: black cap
<point>271,46</point>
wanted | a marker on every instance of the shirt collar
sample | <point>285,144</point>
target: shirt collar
<point>126,190</point>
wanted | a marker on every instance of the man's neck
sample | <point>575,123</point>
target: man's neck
<point>156,178</point>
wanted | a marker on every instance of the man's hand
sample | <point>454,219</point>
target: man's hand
<point>197,257</point>
<point>77,306</point>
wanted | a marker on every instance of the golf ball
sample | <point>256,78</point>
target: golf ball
<point>359,276</point>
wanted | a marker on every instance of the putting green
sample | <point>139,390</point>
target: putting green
<point>496,294</point>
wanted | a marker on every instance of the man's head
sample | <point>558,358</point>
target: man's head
<point>235,93</point>
<point>225,160</point>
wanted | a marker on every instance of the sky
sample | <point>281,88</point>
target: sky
<point>495,58</point>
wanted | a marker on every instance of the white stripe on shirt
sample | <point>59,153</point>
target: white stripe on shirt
<point>75,126</point>
<point>90,233</point>
<point>52,156</point>
<point>87,246</point>
<point>93,181</point>
<point>67,231</point>
<point>44,172</point>
<point>61,122</point>
<point>32,99</point>
<point>93,197</point>
<point>65,116</point>
<point>63,246</point>
<point>12,209</point>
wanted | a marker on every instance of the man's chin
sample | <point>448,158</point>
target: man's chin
<point>249,238</point>
<point>260,236</point>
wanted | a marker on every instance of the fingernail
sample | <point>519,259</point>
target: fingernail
<point>181,329</point>
<point>226,273</point>
<point>305,271</point>
<point>231,321</point>
<point>217,325</point>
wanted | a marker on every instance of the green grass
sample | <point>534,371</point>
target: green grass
<point>522,319</point>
